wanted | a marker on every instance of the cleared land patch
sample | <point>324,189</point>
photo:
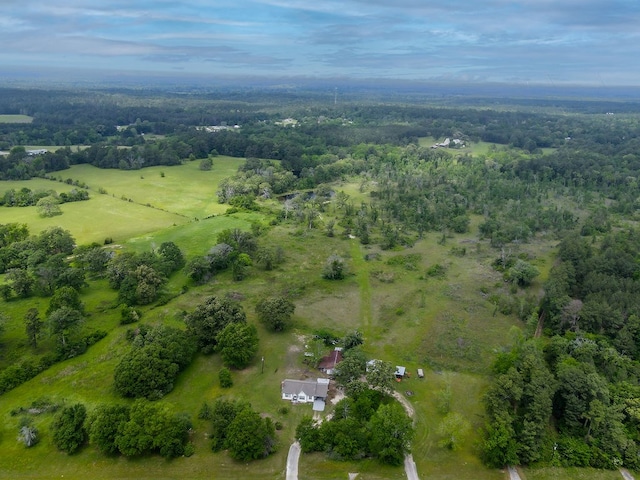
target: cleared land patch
<point>15,119</point>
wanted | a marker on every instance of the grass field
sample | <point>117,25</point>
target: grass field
<point>144,210</point>
<point>15,119</point>
<point>184,189</point>
<point>445,325</point>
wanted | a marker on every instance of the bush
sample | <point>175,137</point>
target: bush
<point>129,315</point>
<point>436,270</point>
<point>225,378</point>
<point>206,164</point>
<point>205,412</point>
<point>68,429</point>
<point>334,268</point>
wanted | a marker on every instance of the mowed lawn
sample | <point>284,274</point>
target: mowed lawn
<point>181,189</point>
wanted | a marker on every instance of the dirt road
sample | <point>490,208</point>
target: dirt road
<point>292,461</point>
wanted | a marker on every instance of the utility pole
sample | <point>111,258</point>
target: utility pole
<point>262,369</point>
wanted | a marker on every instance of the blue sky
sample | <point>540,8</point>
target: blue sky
<point>538,41</point>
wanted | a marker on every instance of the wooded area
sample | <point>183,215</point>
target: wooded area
<point>564,391</point>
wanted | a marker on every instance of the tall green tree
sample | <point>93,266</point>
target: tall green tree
<point>63,322</point>
<point>380,376</point>
<point>65,297</point>
<point>105,424</point>
<point>33,326</point>
<point>275,312</point>
<point>210,317</point>
<point>391,432</point>
<point>453,428</point>
<point>21,281</point>
<point>250,437</point>
<point>238,344</point>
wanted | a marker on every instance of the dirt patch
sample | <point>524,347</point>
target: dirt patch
<point>405,403</point>
<point>339,395</point>
<point>293,353</point>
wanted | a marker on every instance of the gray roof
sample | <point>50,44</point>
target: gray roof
<point>311,388</point>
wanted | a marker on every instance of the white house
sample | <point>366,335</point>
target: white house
<point>305,391</point>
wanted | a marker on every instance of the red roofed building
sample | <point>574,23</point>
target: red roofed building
<point>328,363</point>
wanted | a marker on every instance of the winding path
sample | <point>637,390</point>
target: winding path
<point>409,465</point>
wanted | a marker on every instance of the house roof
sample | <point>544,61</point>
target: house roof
<point>330,361</point>
<point>311,388</point>
<point>400,371</point>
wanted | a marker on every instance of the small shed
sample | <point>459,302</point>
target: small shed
<point>420,373</point>
<point>400,371</point>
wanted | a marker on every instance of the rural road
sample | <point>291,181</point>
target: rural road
<point>292,461</point>
<point>513,473</point>
<point>410,468</point>
<point>409,465</point>
<point>625,474</point>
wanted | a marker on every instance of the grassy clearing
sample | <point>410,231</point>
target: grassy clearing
<point>474,148</point>
<point>195,238</point>
<point>568,474</point>
<point>15,119</point>
<point>34,184</point>
<point>145,210</point>
<point>97,218</point>
<point>184,189</point>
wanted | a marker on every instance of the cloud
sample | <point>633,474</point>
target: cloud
<point>494,39</point>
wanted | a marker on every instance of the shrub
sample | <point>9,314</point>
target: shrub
<point>129,315</point>
<point>334,268</point>
<point>436,270</point>
<point>28,435</point>
<point>225,378</point>
<point>205,412</point>
<point>68,429</point>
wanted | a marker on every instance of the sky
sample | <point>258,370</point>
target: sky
<point>555,42</point>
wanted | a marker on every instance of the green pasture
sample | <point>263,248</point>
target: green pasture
<point>15,119</point>
<point>183,189</point>
<point>95,219</point>
<point>142,206</point>
<point>194,238</point>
